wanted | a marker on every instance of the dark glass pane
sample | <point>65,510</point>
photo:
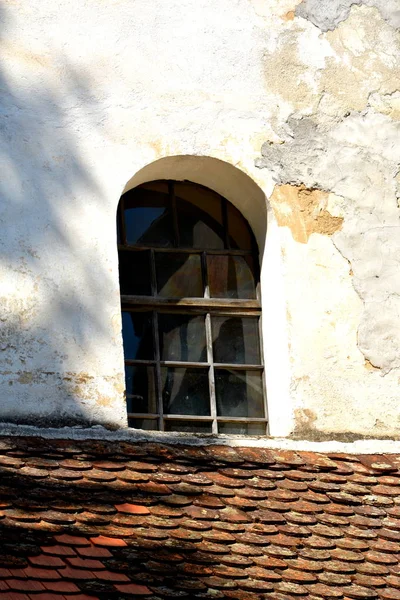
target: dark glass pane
<point>199,217</point>
<point>182,337</point>
<point>239,393</point>
<point>134,273</point>
<point>148,424</point>
<point>188,426</point>
<point>178,275</point>
<point>148,219</point>
<point>242,428</point>
<point>119,235</point>
<point>185,391</point>
<point>137,334</point>
<point>236,340</point>
<point>231,277</point>
<point>240,234</point>
<point>140,389</point>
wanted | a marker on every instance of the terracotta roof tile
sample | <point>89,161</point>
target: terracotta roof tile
<point>111,521</point>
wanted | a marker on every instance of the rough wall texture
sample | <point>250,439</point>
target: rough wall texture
<point>341,137</point>
<point>300,95</point>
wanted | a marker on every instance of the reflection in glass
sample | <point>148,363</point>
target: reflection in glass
<point>140,389</point>
<point>185,391</point>
<point>240,235</point>
<point>239,393</point>
<point>231,277</point>
<point>148,424</point>
<point>148,219</point>
<point>236,340</point>
<point>182,337</point>
<point>199,217</point>
<point>188,426</point>
<point>137,335</point>
<point>178,275</point>
<point>134,273</point>
<point>242,428</point>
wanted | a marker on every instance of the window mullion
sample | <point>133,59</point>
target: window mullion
<point>158,371</point>
<point>211,379</point>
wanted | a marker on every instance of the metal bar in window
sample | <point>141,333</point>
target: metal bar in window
<point>188,418</point>
<point>207,303</point>
<point>158,371</point>
<point>134,361</point>
<point>230,252</point>
<point>143,415</point>
<point>238,367</point>
<point>211,380</point>
<point>184,365</point>
<point>196,310</point>
<point>241,420</point>
<point>172,200</point>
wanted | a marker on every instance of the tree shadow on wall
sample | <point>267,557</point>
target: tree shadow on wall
<point>51,298</point>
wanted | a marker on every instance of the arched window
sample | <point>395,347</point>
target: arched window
<point>189,280</point>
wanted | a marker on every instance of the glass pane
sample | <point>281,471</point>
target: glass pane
<point>231,277</point>
<point>236,340</point>
<point>134,273</point>
<point>239,393</point>
<point>119,235</point>
<point>140,389</point>
<point>148,424</point>
<point>182,337</point>
<point>137,334</point>
<point>199,217</point>
<point>188,426</point>
<point>148,219</point>
<point>240,235</point>
<point>243,428</point>
<point>178,275</point>
<point>185,391</point>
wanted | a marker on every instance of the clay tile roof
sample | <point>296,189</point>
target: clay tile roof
<point>100,520</point>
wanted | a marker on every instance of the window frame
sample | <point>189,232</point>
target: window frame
<point>207,306</point>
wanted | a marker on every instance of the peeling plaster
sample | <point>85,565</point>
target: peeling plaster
<point>334,72</point>
<point>328,14</point>
<point>356,159</point>
<point>303,211</point>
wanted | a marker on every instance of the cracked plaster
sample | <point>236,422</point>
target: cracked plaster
<point>338,128</point>
<point>327,14</point>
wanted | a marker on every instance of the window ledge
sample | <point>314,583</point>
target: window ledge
<point>97,432</point>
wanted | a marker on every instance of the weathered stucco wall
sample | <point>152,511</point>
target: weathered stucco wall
<point>301,96</point>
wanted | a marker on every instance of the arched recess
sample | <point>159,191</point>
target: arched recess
<point>223,178</point>
<point>248,197</point>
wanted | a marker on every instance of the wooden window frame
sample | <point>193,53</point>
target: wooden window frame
<point>193,306</point>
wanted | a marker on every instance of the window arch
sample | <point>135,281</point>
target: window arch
<point>189,280</point>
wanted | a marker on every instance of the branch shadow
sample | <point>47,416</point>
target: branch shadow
<point>52,297</point>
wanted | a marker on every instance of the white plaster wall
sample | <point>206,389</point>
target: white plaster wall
<point>93,92</point>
